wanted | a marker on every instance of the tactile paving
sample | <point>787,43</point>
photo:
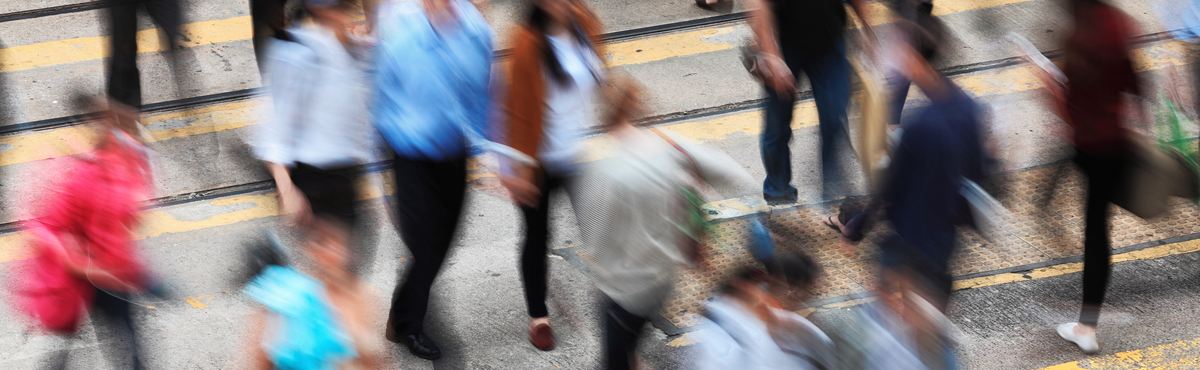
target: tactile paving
<point>1043,229</point>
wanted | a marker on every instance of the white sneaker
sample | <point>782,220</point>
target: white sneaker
<point>1087,342</point>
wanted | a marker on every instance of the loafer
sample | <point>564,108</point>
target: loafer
<point>421,346</point>
<point>542,337</point>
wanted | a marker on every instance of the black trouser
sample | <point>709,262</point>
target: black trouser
<point>1105,174</point>
<point>331,194</point>
<point>268,18</point>
<point>429,199</point>
<point>622,329</point>
<point>534,248</point>
<point>124,82</point>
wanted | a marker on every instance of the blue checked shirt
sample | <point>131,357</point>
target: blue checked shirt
<point>432,84</point>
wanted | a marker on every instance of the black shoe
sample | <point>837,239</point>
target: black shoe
<point>780,200</point>
<point>421,346</point>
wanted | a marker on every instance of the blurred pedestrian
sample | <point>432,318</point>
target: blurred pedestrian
<point>941,148</point>
<point>554,73</point>
<point>269,21</point>
<point>637,190</point>
<point>85,259</point>
<point>319,319</point>
<point>751,322</point>
<point>1183,18</point>
<point>1099,71</point>
<point>124,80</point>
<point>316,131</point>
<point>803,36</point>
<point>433,70</point>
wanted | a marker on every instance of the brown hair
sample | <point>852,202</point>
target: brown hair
<point>624,98</point>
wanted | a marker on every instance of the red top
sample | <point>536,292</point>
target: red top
<point>98,204</point>
<point>1099,70</point>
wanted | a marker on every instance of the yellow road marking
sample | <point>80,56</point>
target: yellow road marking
<point>1070,268</point>
<point>50,53</point>
<point>66,141</point>
<point>58,52</point>
<point>1183,354</point>
<point>195,303</point>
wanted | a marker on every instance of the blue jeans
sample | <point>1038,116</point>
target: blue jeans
<point>829,74</point>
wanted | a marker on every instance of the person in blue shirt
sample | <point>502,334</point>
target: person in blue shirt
<point>433,71</point>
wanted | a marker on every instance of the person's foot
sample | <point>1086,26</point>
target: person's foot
<point>419,345</point>
<point>1082,335</point>
<point>540,334</point>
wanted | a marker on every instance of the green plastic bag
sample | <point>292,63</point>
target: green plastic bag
<point>1173,139</point>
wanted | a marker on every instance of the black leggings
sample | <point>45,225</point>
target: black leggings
<point>1104,176</point>
<point>622,329</point>
<point>534,248</point>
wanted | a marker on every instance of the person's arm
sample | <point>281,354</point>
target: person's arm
<point>762,23</point>
<point>716,168</point>
<point>258,355</point>
<point>288,81</point>
<point>523,113</point>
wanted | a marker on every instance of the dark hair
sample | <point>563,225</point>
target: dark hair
<point>539,21</point>
<point>797,270</point>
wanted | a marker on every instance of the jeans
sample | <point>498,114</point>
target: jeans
<point>829,74</point>
<point>534,248</point>
<point>112,315</point>
<point>429,201</point>
<point>124,80</point>
<point>1104,175</point>
<point>622,330</point>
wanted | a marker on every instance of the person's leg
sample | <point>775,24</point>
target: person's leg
<point>830,77</point>
<point>1101,177</point>
<point>533,249</point>
<point>429,198</point>
<point>169,18</point>
<point>114,310</point>
<point>124,84</point>
<point>899,94</point>
<point>774,141</point>
<point>622,330</point>
<point>332,194</point>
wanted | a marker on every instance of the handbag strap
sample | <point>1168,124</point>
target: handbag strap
<point>692,165</point>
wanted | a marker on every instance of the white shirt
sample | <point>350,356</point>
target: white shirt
<point>569,109</point>
<point>318,114</point>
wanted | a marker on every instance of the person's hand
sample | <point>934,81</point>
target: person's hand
<point>521,186</point>
<point>777,75</point>
<point>294,206</point>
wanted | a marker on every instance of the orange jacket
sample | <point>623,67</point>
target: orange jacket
<point>524,103</point>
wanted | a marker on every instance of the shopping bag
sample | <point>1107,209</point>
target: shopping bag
<point>45,292</point>
<point>989,215</point>
<point>872,140</point>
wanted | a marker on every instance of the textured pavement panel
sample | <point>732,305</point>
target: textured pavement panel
<point>1039,233</point>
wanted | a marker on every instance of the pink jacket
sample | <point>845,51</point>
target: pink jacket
<point>89,221</point>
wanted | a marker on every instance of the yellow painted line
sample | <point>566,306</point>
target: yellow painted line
<point>58,52</point>
<point>72,140</point>
<point>50,53</point>
<point>1069,268</point>
<point>195,303</point>
<point>1183,354</point>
